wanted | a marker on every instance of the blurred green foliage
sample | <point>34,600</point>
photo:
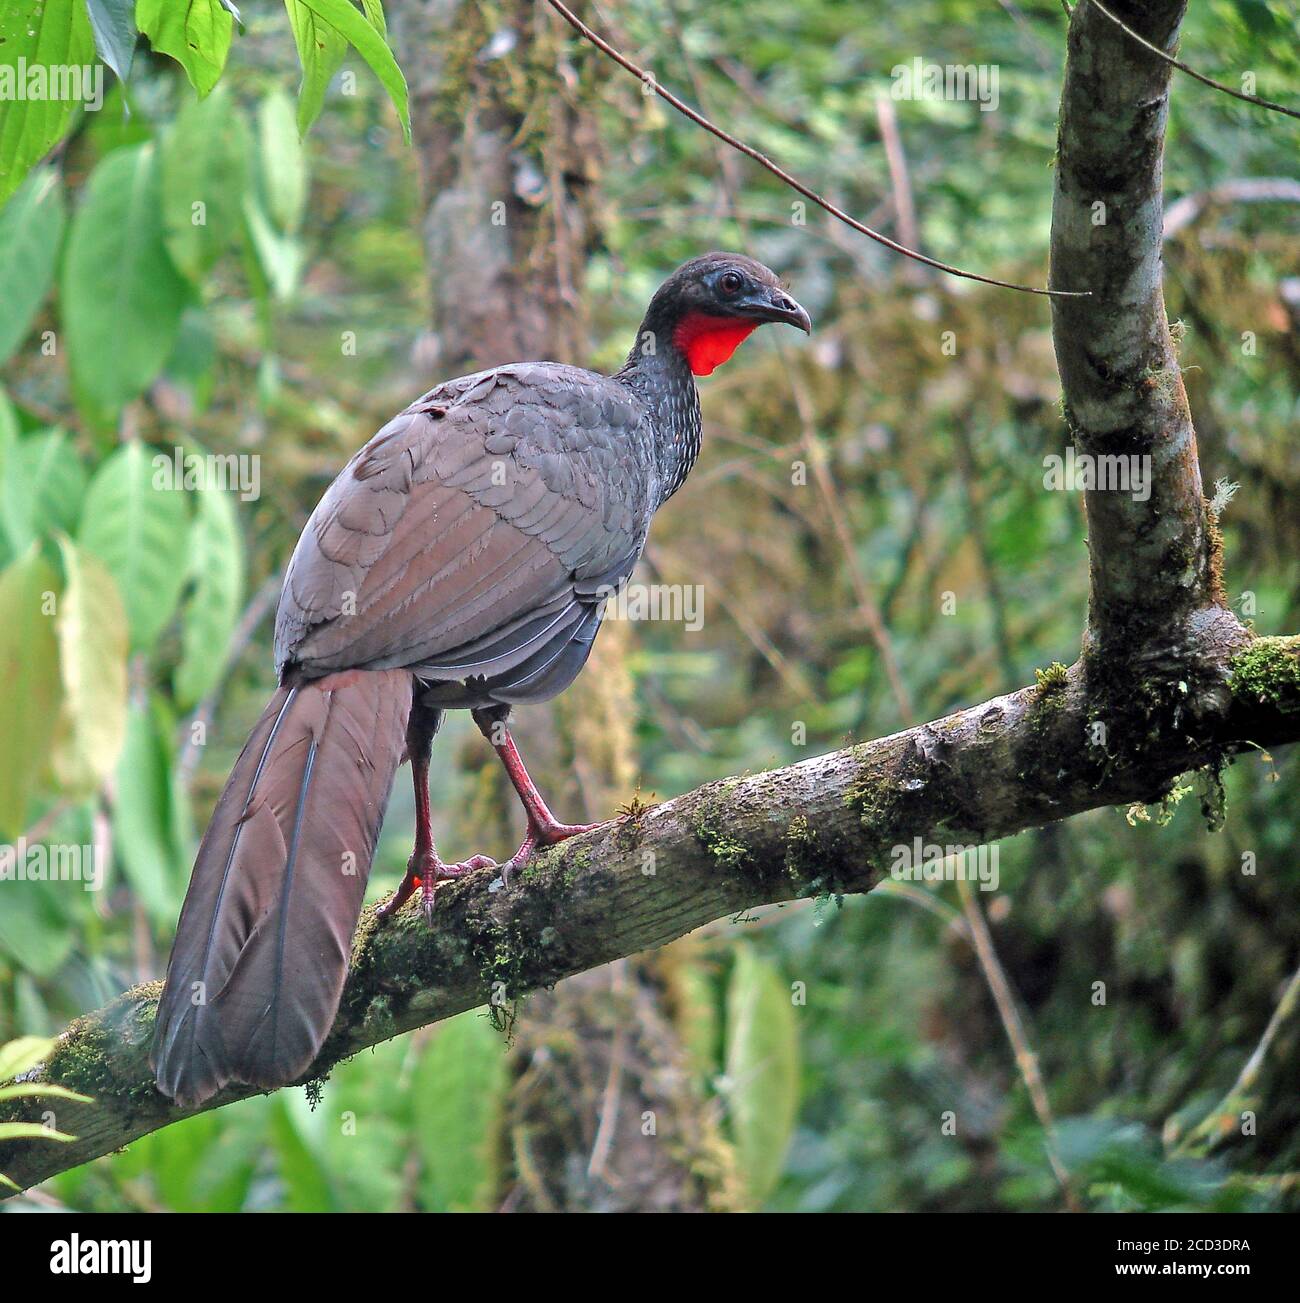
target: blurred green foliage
<point>194,275</point>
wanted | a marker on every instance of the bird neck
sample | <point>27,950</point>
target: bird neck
<point>658,371</point>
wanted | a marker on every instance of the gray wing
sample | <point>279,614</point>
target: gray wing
<point>473,536</point>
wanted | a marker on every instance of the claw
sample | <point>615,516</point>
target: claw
<point>446,872</point>
<point>425,872</point>
<point>541,835</point>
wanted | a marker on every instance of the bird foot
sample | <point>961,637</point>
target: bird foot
<point>425,871</point>
<point>539,836</point>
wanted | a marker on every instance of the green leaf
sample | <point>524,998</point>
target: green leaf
<point>281,257</point>
<point>30,1131</point>
<point>372,47</point>
<point>113,23</point>
<point>142,817</point>
<point>42,483</point>
<point>31,229</point>
<point>320,51</point>
<point>29,670</point>
<point>23,1055</point>
<point>36,930</point>
<point>283,165</point>
<point>196,33</point>
<point>122,297</point>
<point>20,1056</point>
<point>699,1020</point>
<point>212,609</point>
<point>138,529</point>
<point>92,634</point>
<point>374,11</point>
<point>762,1070</point>
<point>192,364</point>
<point>464,1070</point>
<point>37,35</point>
<point>205,160</point>
<point>42,1090</point>
<point>206,1163</point>
<point>301,1166</point>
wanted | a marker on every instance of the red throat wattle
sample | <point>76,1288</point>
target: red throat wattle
<point>707,342</point>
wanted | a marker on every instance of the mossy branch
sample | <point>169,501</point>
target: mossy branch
<point>825,826</point>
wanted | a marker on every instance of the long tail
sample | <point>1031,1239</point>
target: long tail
<point>265,934</point>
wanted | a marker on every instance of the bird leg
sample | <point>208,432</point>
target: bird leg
<point>544,829</point>
<point>425,869</point>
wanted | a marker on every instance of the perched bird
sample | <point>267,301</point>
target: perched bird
<point>461,560</point>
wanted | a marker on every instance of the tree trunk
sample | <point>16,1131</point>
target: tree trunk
<point>509,168</point>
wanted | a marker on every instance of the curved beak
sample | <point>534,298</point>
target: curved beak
<point>772,304</point>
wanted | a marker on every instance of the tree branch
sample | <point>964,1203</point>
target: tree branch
<point>647,78</point>
<point>1154,560</point>
<point>1246,190</point>
<point>826,825</point>
<point>1191,72</point>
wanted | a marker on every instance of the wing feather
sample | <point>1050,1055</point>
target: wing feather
<point>467,533</point>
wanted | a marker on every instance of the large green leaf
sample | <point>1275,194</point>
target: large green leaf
<point>373,48</point>
<point>463,1070</point>
<point>211,611</point>
<point>320,51</point>
<point>196,33</point>
<point>29,671</point>
<point>282,163</point>
<point>92,637</point>
<point>31,228</point>
<point>205,160</point>
<point>122,297</point>
<point>274,210</point>
<point>37,925</point>
<point>762,1070</point>
<point>113,23</point>
<point>42,483</point>
<point>139,531</point>
<point>299,1156</point>
<point>142,816</point>
<point>35,37</point>
<point>204,1164</point>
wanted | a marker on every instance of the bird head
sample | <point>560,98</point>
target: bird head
<point>710,304</point>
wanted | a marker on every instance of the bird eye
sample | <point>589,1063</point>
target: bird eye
<point>730,282</point>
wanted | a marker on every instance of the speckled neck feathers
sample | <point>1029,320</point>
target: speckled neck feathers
<point>661,378</point>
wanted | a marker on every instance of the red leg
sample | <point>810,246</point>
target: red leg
<point>544,829</point>
<point>425,869</point>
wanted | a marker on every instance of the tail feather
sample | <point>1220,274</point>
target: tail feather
<point>265,934</point>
